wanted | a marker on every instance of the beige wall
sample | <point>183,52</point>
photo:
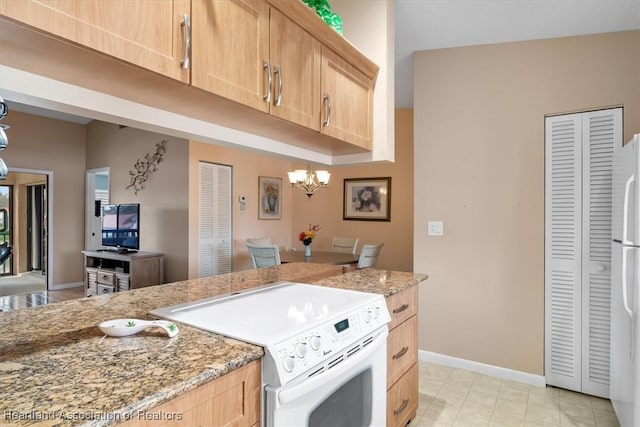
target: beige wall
<point>44,144</point>
<point>479,166</point>
<point>326,206</point>
<point>170,214</point>
<point>164,201</point>
<point>247,167</point>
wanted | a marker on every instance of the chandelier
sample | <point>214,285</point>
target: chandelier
<point>309,181</point>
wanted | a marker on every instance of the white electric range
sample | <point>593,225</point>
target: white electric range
<point>325,349</point>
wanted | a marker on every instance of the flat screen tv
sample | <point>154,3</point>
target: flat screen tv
<point>121,226</point>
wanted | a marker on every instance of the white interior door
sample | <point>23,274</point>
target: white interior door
<point>97,189</point>
<point>563,250</point>
<point>215,219</point>
<point>601,131</point>
<point>578,201</point>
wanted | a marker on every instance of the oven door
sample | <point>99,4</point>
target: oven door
<point>352,392</point>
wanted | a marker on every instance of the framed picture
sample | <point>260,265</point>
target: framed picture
<point>269,198</point>
<point>367,199</point>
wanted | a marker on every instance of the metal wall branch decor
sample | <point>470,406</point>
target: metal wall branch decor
<point>145,167</point>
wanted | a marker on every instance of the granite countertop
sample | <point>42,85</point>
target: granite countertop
<point>58,369</point>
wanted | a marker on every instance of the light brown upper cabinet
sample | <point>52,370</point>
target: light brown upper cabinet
<point>295,64</point>
<point>230,45</point>
<point>151,34</point>
<point>266,67</point>
<point>246,51</point>
<point>347,96</point>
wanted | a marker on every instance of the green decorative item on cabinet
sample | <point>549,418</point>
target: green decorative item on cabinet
<point>323,9</point>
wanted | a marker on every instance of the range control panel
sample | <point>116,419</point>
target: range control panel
<point>296,355</point>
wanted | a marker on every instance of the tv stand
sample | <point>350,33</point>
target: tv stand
<point>113,270</point>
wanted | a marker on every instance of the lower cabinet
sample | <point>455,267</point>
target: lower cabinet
<point>402,358</point>
<point>231,400</point>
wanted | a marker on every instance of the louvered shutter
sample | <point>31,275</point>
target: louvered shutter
<point>578,201</point>
<point>601,131</point>
<point>215,219</point>
<point>563,225</point>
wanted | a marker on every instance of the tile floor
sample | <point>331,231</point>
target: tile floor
<point>456,397</point>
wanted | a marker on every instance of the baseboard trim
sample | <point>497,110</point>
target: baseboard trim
<point>61,286</point>
<point>494,371</point>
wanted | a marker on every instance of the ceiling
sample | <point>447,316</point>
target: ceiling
<point>436,24</point>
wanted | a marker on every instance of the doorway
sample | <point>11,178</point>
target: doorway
<point>24,223</point>
<point>97,195</point>
<point>37,227</point>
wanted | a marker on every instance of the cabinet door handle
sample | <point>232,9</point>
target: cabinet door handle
<point>267,96</point>
<point>327,102</point>
<point>401,408</point>
<point>186,24</point>
<point>400,309</point>
<point>277,70</point>
<point>401,353</point>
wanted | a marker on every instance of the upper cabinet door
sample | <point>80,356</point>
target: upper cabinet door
<point>230,50</point>
<point>295,63</point>
<point>347,100</point>
<point>146,33</point>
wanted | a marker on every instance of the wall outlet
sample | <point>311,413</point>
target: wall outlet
<point>435,228</point>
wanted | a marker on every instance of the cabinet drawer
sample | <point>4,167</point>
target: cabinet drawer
<point>402,306</point>
<point>105,289</point>
<point>402,349</point>
<point>105,278</point>
<point>402,399</point>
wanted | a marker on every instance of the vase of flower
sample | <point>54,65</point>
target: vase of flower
<point>306,237</point>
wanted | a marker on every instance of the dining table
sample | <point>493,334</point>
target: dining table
<point>320,257</point>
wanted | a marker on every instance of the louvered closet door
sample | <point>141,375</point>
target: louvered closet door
<point>578,196</point>
<point>563,250</point>
<point>601,130</point>
<point>215,219</point>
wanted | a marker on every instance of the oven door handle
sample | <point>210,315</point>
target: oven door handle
<point>287,395</point>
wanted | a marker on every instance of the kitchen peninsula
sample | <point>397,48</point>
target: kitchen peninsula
<point>59,369</point>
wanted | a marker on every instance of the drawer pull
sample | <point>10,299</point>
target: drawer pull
<point>277,70</point>
<point>405,403</point>
<point>401,353</point>
<point>327,101</point>
<point>267,96</point>
<point>400,309</point>
<point>186,25</point>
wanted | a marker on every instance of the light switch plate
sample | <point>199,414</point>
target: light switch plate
<point>435,228</point>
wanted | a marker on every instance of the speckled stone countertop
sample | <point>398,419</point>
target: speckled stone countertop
<point>58,369</point>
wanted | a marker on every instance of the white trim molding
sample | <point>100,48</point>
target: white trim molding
<point>66,286</point>
<point>494,371</point>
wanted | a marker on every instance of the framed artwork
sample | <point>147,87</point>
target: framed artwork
<point>367,199</point>
<point>269,198</point>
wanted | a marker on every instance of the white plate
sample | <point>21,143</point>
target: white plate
<point>125,327</point>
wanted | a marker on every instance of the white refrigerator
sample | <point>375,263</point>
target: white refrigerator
<point>625,284</point>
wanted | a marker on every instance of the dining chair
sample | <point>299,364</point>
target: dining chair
<point>260,241</point>
<point>264,255</point>
<point>369,256</point>
<point>347,245</point>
